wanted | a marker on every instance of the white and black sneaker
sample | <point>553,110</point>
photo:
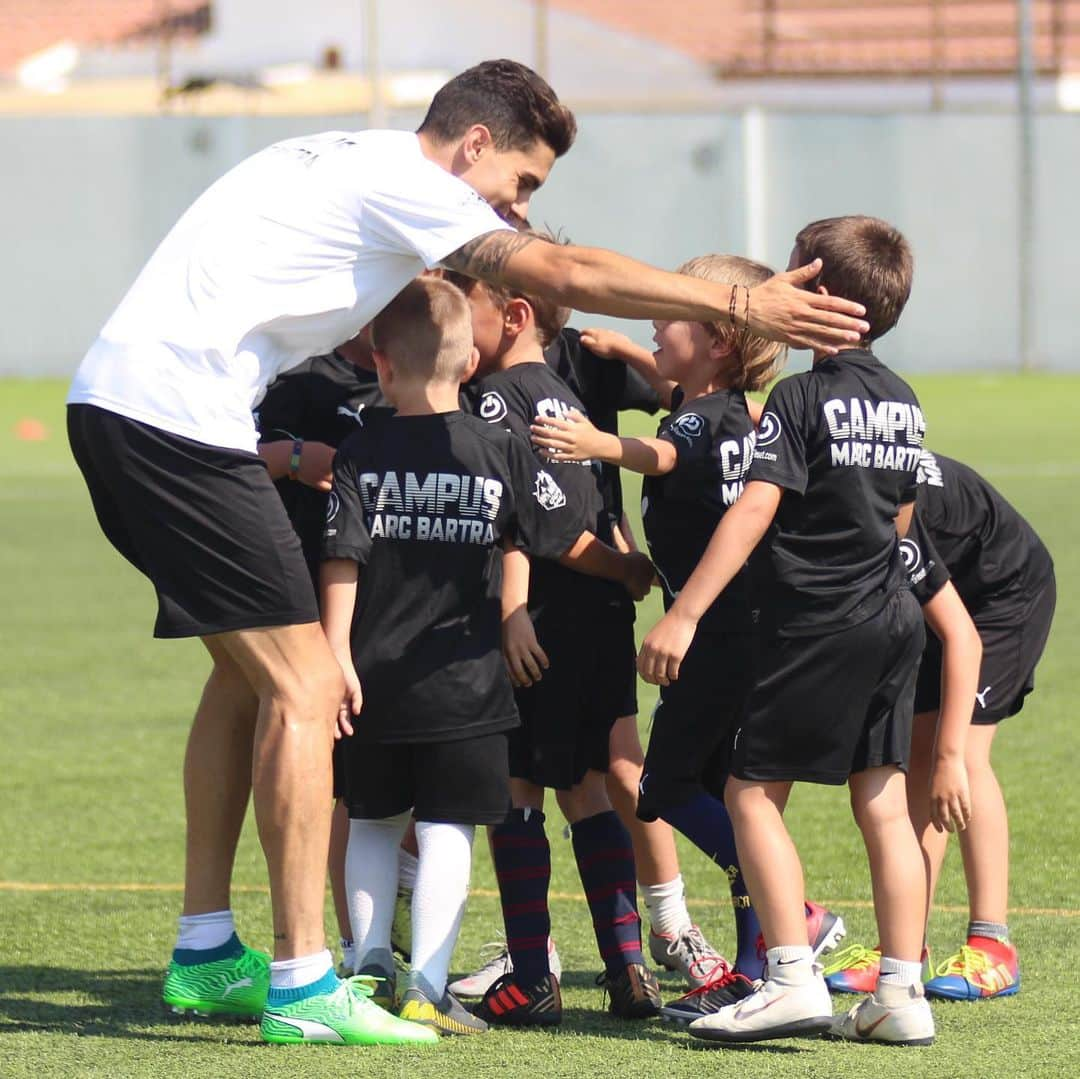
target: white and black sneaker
<point>727,988</point>
<point>797,1006</point>
<point>689,953</point>
<point>480,981</point>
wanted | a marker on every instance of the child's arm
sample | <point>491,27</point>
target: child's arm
<point>755,410</point>
<point>525,659</point>
<point>574,438</point>
<point>595,558</point>
<point>624,536</point>
<point>338,579</point>
<point>612,345</point>
<point>961,654</point>
<point>740,530</point>
<point>314,461</point>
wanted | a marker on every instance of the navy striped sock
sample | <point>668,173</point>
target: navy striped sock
<point>522,856</point>
<point>605,861</point>
<point>705,822</point>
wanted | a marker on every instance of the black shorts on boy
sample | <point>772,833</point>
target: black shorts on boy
<point>697,714</point>
<point>580,621</point>
<point>968,532</point>
<point>835,686</point>
<point>421,504</point>
<point>203,523</point>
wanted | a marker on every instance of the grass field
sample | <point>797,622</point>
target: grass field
<point>93,715</point>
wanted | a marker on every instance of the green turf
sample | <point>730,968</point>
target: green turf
<point>93,715</point>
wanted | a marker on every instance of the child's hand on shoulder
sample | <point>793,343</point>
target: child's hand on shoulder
<point>607,344</point>
<point>568,438</point>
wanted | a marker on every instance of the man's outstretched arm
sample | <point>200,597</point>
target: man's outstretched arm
<point>603,282</point>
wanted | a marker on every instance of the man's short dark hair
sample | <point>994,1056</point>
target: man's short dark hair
<point>510,100</point>
<point>865,260</point>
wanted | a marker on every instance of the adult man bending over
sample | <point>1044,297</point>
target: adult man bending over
<point>286,256</point>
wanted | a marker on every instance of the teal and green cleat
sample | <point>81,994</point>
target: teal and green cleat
<point>344,1016</point>
<point>228,986</point>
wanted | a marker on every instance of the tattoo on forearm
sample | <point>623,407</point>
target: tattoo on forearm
<point>486,256</point>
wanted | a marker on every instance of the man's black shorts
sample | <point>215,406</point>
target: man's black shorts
<point>203,523</point>
<point>566,717</point>
<point>694,721</point>
<point>826,707</point>
<point>462,782</point>
<point>1013,638</point>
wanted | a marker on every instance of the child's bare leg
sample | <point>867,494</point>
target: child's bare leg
<point>879,802</point>
<point>654,842</point>
<point>933,843</point>
<point>768,859</point>
<point>339,843</point>
<point>984,844</point>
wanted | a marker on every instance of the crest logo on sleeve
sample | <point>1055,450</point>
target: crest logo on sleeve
<point>768,430</point>
<point>910,555</point>
<point>333,505</point>
<point>547,492</point>
<point>492,407</point>
<point>688,427</point>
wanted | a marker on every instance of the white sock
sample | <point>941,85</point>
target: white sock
<point>406,870</point>
<point>666,904</point>
<point>438,903</point>
<point>371,863</point>
<point>790,964</point>
<point>304,970</point>
<point>348,954</point>
<point>898,972</point>
<point>200,932</point>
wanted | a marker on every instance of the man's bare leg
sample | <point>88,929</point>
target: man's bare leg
<point>217,781</point>
<point>299,686</point>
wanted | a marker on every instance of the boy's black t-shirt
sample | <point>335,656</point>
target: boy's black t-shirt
<point>421,503</point>
<point>605,387</point>
<point>714,441</point>
<point>843,441</point>
<point>511,399</point>
<point>926,571</point>
<point>992,553</point>
<point>325,399</point>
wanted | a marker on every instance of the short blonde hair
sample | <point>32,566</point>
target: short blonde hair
<point>426,331</point>
<point>757,360</point>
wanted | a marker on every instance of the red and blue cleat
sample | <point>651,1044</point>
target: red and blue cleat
<point>984,967</point>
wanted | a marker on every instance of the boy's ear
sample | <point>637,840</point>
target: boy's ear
<point>517,316</point>
<point>470,367</point>
<point>383,368</point>
<point>721,346</point>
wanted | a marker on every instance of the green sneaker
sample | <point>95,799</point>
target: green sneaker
<point>345,1016</point>
<point>229,987</point>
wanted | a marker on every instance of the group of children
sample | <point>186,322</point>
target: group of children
<point>478,592</point>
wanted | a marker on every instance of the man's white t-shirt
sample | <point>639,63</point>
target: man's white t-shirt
<point>287,256</point>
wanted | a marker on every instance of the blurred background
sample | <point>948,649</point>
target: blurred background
<point>705,125</point>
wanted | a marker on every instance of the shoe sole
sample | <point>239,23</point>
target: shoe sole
<point>205,1012</point>
<point>833,935</point>
<point>833,1036</point>
<point>523,1021</point>
<point>938,994</point>
<point>801,1028</point>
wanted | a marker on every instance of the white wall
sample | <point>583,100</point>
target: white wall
<point>84,202</point>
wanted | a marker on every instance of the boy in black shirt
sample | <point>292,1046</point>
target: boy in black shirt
<point>834,478</point>
<point>306,414</point>
<point>568,709</point>
<point>694,471</point>
<point>1005,577</point>
<point>422,500</point>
